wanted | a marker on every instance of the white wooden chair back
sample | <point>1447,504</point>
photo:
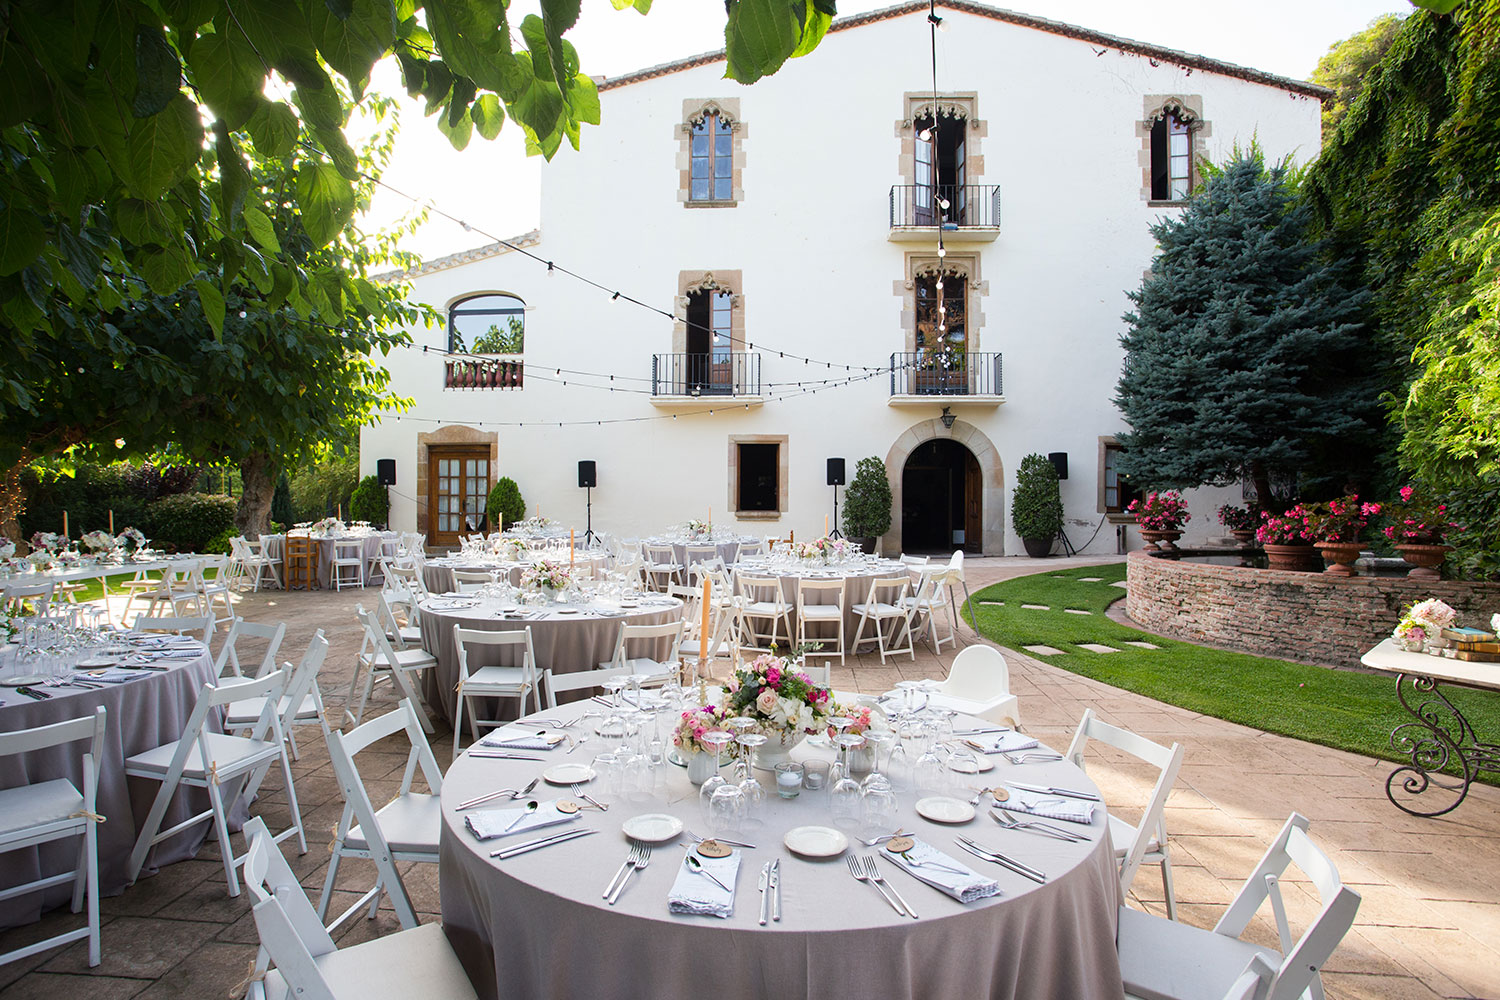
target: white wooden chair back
<point>241,629</point>
<point>179,626</point>
<point>291,935</point>
<point>383,651</point>
<point>915,560</point>
<point>694,554</point>
<point>750,548</point>
<point>806,585</point>
<point>390,622</point>
<point>647,633</point>
<point>39,594</point>
<point>692,602</point>
<point>519,638</point>
<point>577,680</point>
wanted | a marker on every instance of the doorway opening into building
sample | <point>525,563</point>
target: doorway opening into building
<point>941,499</point>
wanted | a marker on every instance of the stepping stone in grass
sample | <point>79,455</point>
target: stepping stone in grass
<point>994,604</point>
<point>1043,650</point>
<point>1120,583</point>
<point>1142,645</point>
<point>1094,647</point>
<point>1036,607</point>
<point>1091,579</point>
<point>1076,611</point>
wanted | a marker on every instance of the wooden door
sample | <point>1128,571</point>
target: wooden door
<point>458,484</point>
<point>973,505</point>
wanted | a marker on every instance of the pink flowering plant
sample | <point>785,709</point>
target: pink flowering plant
<point>1283,529</point>
<point>688,737</point>
<point>1415,519</point>
<point>772,691</point>
<point>1338,520</point>
<point>1237,518</point>
<point>1164,511</point>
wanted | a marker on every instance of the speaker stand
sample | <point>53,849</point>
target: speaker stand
<point>589,538</point>
<point>835,533</point>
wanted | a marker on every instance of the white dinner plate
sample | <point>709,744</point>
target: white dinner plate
<point>652,828</point>
<point>23,680</point>
<point>568,774</point>
<point>941,809</point>
<point>816,841</point>
<point>95,662</point>
<point>982,763</point>
<point>567,611</point>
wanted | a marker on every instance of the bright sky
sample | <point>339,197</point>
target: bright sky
<point>495,186</point>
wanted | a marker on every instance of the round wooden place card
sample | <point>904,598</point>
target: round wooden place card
<point>714,849</point>
<point>900,845</point>
<point>568,806</point>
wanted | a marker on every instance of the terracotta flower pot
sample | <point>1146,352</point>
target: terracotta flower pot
<point>1424,559</point>
<point>1160,541</point>
<point>1293,558</point>
<point>1339,557</point>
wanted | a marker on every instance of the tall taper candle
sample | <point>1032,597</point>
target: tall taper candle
<point>570,548</point>
<point>65,524</point>
<point>111,522</point>
<point>704,636</point>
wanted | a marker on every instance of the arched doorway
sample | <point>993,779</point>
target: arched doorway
<point>986,501</point>
<point>942,499</point>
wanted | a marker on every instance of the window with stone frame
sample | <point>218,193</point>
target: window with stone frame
<point>1171,158</point>
<point>711,153</point>
<point>1116,493</point>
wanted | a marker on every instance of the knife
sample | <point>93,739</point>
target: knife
<point>986,854</point>
<point>35,695</point>
<point>765,875</point>
<point>1049,790</point>
<point>535,845</point>
<point>776,890</point>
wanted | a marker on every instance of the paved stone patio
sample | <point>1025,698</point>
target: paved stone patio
<point>1429,925</point>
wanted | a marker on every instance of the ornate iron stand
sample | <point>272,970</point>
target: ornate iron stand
<point>1438,738</point>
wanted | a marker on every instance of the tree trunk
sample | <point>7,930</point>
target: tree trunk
<point>13,502</point>
<point>1261,478</point>
<point>253,515</point>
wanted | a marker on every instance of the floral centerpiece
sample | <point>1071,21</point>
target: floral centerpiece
<point>328,526</point>
<point>688,739</point>
<point>532,524</point>
<point>7,548</point>
<point>46,541</point>
<point>1241,521</point>
<point>698,529</point>
<point>1424,622</point>
<point>99,542</point>
<point>782,699</point>
<point>546,576</point>
<point>862,719</point>
<point>132,540</point>
<point>514,549</point>
<point>825,549</point>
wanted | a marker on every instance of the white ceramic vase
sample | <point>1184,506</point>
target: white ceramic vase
<point>700,767</point>
<point>776,749</point>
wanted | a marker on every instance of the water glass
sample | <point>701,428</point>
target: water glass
<point>878,807</point>
<point>815,775</point>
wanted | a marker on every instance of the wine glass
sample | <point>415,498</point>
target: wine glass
<point>845,795</point>
<point>878,806</point>
<point>755,792</point>
<point>742,727</point>
<point>838,723</point>
<point>930,773</point>
<point>716,740</point>
<point>726,810</point>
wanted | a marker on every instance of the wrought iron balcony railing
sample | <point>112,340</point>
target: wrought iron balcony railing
<point>484,373</point>
<point>946,373</point>
<point>722,374</point>
<point>969,205</point>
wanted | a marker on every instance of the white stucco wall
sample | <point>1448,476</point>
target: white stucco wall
<point>810,238</point>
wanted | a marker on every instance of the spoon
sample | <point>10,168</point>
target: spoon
<point>530,809</point>
<point>697,866</point>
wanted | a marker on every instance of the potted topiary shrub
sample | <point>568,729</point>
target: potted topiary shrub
<point>505,505</point>
<point>370,502</point>
<point>867,504</point>
<point>1036,510</point>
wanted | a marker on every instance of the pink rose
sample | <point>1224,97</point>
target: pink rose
<point>766,702</point>
<point>773,677</point>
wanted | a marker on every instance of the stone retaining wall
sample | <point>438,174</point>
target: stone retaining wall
<point>1299,616</point>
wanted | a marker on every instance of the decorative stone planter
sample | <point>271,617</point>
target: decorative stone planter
<point>1244,537</point>
<point>1293,558</point>
<point>1339,557</point>
<point>1160,541</point>
<point>1424,560</point>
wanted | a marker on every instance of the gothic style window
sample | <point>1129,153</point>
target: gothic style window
<point>941,301</point>
<point>1171,157</point>
<point>712,163</point>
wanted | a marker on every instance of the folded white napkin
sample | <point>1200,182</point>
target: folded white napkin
<point>1008,741</point>
<point>694,892</point>
<point>113,675</point>
<point>521,738</point>
<point>1050,806</point>
<point>488,824</point>
<point>944,873</point>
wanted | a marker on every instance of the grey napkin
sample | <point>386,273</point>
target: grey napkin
<point>1049,806</point>
<point>113,675</point>
<point>489,824</point>
<point>521,738</point>
<point>696,893</point>
<point>941,871</point>
<point>1008,741</point>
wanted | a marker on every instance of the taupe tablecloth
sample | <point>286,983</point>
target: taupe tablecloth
<point>727,551</point>
<point>536,925</point>
<point>563,643</point>
<point>371,549</point>
<point>143,714</point>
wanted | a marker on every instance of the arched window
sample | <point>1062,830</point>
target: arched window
<point>487,324</point>
<point>1172,156</point>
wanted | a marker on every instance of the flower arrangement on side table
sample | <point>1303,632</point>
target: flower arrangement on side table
<point>781,698</point>
<point>100,543</point>
<point>1161,517</point>
<point>1416,526</point>
<point>1424,622</point>
<point>547,576</point>
<point>47,541</point>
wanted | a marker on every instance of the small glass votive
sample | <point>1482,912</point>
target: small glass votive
<point>789,779</point>
<point>815,775</point>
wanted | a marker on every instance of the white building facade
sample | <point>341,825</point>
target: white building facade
<point>824,303</point>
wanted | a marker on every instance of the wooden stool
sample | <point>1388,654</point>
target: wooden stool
<point>301,562</point>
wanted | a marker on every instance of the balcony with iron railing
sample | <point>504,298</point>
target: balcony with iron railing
<point>972,214</point>
<point>953,376</point>
<point>730,375</point>
<point>484,373</point>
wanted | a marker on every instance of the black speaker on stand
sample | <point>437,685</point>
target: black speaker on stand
<point>835,479</point>
<point>588,478</point>
<point>385,475</point>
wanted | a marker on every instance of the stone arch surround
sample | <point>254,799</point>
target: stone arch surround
<point>992,473</point>
<point>449,434</point>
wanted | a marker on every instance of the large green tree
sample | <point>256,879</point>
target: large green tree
<point>1347,65</point>
<point>1243,352</point>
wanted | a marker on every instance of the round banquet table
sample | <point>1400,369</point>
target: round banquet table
<point>142,714</point>
<point>536,923</point>
<point>857,579</point>
<point>439,578</point>
<point>562,641</point>
<point>727,551</point>
<point>372,546</point>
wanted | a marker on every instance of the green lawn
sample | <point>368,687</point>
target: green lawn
<point>1337,708</point>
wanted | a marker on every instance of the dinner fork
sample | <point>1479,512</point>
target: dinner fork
<point>623,872</point>
<point>880,840</point>
<point>1030,757</point>
<point>874,872</point>
<point>643,858</point>
<point>732,843</point>
<point>856,868</point>
<point>578,791</point>
<point>1034,826</point>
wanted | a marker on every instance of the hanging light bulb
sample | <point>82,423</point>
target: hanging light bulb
<point>940,284</point>
<point>943,204</point>
<point>925,135</point>
<point>942,251</point>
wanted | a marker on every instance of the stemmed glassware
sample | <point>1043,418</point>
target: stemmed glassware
<point>755,792</point>
<point>845,794</point>
<point>716,740</point>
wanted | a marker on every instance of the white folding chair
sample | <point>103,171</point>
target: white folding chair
<point>645,668</point>
<point>56,809</point>
<point>726,625</point>
<point>240,629</point>
<point>470,580</point>
<point>404,829</point>
<point>141,587</point>
<point>693,555</point>
<point>927,602</point>
<point>413,543</point>
<point>206,759</point>
<point>257,562</point>
<point>348,566</point>
<point>38,594</point>
<point>410,576</point>
<point>577,680</point>
<point>384,660</point>
<point>493,681</point>
<point>764,603</point>
<point>885,605</point>
<point>1147,840</point>
<point>978,684</point>
<point>661,561</point>
<point>213,590</point>
<point>916,561</point>
<point>301,705</point>
<point>297,957</point>
<point>821,613</point>
<point>177,589</point>
<point>1165,959</point>
<point>750,548</point>
<point>178,626</point>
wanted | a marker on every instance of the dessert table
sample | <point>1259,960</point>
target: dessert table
<point>565,638</point>
<point>143,713</point>
<point>535,925</point>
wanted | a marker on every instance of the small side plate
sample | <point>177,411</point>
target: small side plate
<point>941,809</point>
<point>568,774</point>
<point>652,828</point>
<point>816,841</point>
